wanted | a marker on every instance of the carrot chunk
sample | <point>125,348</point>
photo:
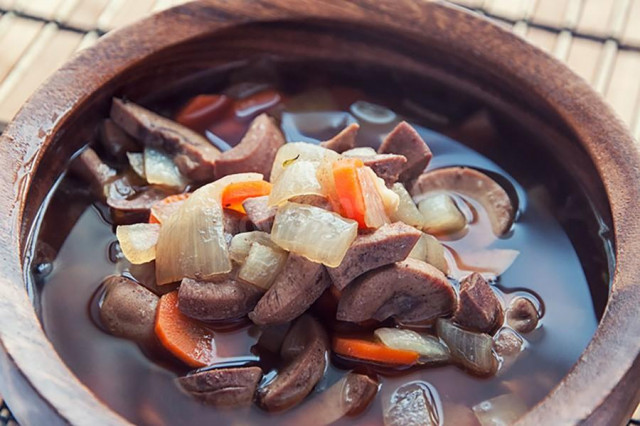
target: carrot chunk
<point>348,189</point>
<point>187,339</point>
<point>372,351</point>
<point>235,193</point>
<point>166,207</point>
<point>203,110</point>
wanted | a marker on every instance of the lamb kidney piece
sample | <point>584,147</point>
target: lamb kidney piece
<point>478,306</point>
<point>223,387</point>
<point>409,291</point>
<point>215,301</point>
<point>128,309</point>
<point>300,283</point>
<point>304,350</point>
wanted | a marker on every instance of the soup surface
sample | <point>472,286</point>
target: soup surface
<point>76,249</point>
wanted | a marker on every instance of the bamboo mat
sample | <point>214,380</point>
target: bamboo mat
<point>598,39</point>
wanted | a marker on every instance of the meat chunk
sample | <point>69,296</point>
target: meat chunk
<point>191,152</point>
<point>343,141</point>
<point>128,309</point>
<point>474,184</point>
<point>137,207</point>
<point>234,222</point>
<point>299,284</point>
<point>91,169</point>
<point>478,306</point>
<point>387,166</point>
<point>217,301</point>
<point>305,352</point>
<point>223,387</point>
<point>313,200</point>
<point>115,141</point>
<point>387,244</point>
<point>259,212</point>
<point>404,140</point>
<point>522,315</point>
<point>358,392</point>
<point>349,396</point>
<point>255,152</point>
<point>409,291</point>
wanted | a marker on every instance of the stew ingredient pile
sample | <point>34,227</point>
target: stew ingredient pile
<point>334,251</point>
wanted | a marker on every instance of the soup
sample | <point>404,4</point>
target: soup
<point>520,291</point>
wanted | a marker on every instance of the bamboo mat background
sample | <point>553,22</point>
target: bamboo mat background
<point>598,39</point>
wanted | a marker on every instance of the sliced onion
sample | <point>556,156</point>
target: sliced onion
<point>407,211</point>
<point>429,348</point>
<point>160,169</point>
<point>413,403</point>
<point>471,350</point>
<point>136,161</point>
<point>192,242</point>
<point>262,265</point>
<point>502,410</point>
<point>375,214</point>
<point>389,198</point>
<point>494,261</point>
<point>299,151</point>
<point>372,113</point>
<point>325,178</point>
<point>138,241</point>
<point>298,178</point>
<point>241,244</point>
<point>314,233</point>
<point>365,151</point>
<point>428,249</point>
<point>440,214</point>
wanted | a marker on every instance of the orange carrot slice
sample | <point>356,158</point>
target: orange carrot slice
<point>235,193</point>
<point>372,351</point>
<point>187,339</point>
<point>348,189</point>
<point>202,110</point>
<point>166,207</point>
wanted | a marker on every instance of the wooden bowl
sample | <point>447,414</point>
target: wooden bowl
<point>430,39</point>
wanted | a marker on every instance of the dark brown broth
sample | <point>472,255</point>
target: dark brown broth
<point>143,389</point>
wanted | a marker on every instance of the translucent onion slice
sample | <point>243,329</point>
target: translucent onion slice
<point>314,233</point>
<point>299,151</point>
<point>502,410</point>
<point>298,178</point>
<point>428,249</point>
<point>440,214</point>
<point>262,265</point>
<point>241,244</point>
<point>192,242</point>
<point>413,403</point>
<point>136,161</point>
<point>365,151</point>
<point>389,198</point>
<point>471,350</point>
<point>160,169</point>
<point>429,348</point>
<point>138,241</point>
<point>372,113</point>
<point>407,211</point>
<point>375,214</point>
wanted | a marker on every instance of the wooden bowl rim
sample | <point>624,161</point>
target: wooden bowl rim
<point>609,360</point>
